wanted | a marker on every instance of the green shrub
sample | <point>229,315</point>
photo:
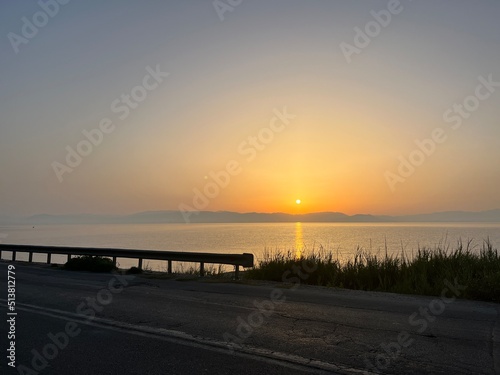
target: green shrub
<point>90,263</point>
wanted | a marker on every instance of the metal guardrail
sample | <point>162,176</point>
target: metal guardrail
<point>237,260</point>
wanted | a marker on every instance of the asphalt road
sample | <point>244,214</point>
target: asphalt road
<point>84,323</point>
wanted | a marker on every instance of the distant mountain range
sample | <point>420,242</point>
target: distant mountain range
<point>252,217</point>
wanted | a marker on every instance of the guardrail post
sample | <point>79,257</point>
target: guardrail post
<point>30,256</point>
<point>13,256</point>
<point>49,257</point>
<point>202,269</point>
<point>170,267</point>
<point>69,257</point>
<point>140,263</point>
<point>236,272</point>
<point>114,261</point>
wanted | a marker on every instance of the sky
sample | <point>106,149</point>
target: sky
<point>380,107</point>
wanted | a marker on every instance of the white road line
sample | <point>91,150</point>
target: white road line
<point>183,338</point>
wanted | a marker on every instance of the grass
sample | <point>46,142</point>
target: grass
<point>423,274</point>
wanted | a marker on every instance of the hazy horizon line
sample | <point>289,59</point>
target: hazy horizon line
<point>257,212</point>
<point>175,216</point>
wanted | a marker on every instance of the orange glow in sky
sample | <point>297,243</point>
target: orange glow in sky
<point>210,115</point>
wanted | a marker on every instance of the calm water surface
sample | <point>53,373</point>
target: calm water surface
<point>343,239</point>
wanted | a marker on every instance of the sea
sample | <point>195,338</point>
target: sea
<point>343,240</point>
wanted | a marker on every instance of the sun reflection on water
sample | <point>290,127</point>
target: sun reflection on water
<point>299,240</point>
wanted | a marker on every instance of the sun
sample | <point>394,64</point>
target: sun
<point>298,201</point>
